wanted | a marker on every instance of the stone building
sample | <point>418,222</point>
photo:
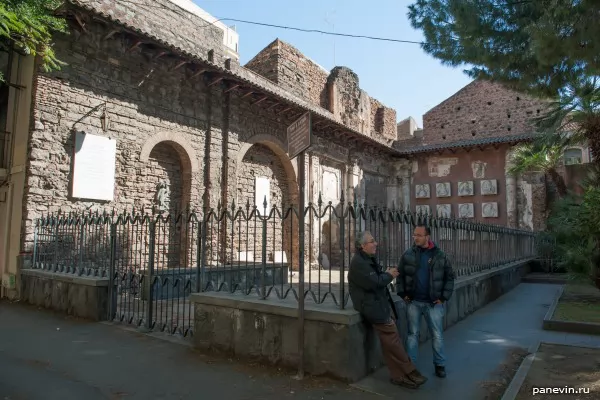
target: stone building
<point>461,156</point>
<point>164,120</point>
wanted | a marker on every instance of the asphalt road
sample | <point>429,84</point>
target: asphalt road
<point>47,356</point>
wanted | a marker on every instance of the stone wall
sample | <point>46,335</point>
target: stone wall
<point>159,17</point>
<point>338,91</point>
<point>384,121</point>
<point>480,110</point>
<point>294,72</point>
<point>206,145</point>
<point>337,342</point>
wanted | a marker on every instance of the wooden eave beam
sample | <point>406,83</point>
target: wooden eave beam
<point>285,109</point>
<point>179,65</point>
<point>272,106</point>
<point>111,34</point>
<point>248,93</point>
<point>232,88</point>
<point>135,46</point>
<point>80,22</point>
<point>199,72</point>
<point>260,100</point>
<point>216,80</point>
<point>160,54</point>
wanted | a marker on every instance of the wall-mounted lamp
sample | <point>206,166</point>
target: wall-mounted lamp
<point>104,119</point>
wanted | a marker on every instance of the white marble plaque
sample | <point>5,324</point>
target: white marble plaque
<point>422,191</point>
<point>466,188</point>
<point>424,210</point>
<point>489,187</point>
<point>330,187</point>
<point>444,210</point>
<point>443,189</point>
<point>489,210</point>
<point>262,189</point>
<point>466,210</point>
<point>94,165</point>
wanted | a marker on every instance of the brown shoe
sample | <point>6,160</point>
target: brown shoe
<point>417,377</point>
<point>405,382</point>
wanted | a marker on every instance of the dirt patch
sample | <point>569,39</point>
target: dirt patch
<point>579,303</point>
<point>571,371</point>
<point>495,388</point>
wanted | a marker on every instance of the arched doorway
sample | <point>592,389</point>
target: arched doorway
<point>265,173</point>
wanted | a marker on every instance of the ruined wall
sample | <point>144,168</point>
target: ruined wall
<point>481,110</point>
<point>349,104</point>
<point>384,120</point>
<point>338,91</point>
<point>294,72</point>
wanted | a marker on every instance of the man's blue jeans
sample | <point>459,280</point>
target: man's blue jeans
<point>434,317</point>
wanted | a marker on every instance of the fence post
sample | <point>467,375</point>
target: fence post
<point>343,266</point>
<point>263,273</point>
<point>112,303</point>
<point>35,244</point>
<point>200,255</point>
<point>150,284</point>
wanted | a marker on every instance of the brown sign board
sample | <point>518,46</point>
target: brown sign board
<point>299,135</point>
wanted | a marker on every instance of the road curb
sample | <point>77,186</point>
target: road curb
<point>513,388</point>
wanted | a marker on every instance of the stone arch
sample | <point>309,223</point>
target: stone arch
<point>167,157</point>
<point>289,238</point>
<point>182,146</point>
<point>187,157</point>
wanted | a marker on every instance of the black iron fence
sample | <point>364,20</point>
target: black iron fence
<point>153,262</point>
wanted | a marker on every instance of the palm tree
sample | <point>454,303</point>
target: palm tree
<point>541,156</point>
<point>574,117</point>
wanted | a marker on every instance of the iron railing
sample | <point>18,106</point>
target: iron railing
<point>154,262</point>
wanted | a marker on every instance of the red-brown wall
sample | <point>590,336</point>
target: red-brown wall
<point>495,160</point>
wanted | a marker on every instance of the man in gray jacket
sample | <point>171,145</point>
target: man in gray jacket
<point>426,283</point>
<point>370,296</point>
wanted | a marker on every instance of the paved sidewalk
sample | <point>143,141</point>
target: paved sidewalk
<point>476,346</point>
<point>46,356</point>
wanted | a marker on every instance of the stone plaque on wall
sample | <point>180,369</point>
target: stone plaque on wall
<point>489,210</point>
<point>422,191</point>
<point>466,188</point>
<point>443,189</point>
<point>262,190</point>
<point>330,186</point>
<point>489,187</point>
<point>422,209</point>
<point>444,210</point>
<point>94,165</point>
<point>466,210</point>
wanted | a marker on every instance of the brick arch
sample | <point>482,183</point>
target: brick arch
<point>182,146</point>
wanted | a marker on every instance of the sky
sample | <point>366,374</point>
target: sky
<point>400,75</point>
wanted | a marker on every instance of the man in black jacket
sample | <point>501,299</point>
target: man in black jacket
<point>426,283</point>
<point>370,296</point>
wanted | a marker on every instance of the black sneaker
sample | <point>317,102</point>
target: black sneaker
<point>405,382</point>
<point>440,371</point>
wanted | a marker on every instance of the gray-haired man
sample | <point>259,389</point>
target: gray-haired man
<point>371,297</point>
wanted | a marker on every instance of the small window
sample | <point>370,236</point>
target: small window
<point>573,156</point>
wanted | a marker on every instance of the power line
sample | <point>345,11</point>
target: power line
<point>321,32</point>
<point>275,26</point>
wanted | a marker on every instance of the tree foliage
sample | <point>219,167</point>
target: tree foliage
<point>535,46</point>
<point>28,26</point>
